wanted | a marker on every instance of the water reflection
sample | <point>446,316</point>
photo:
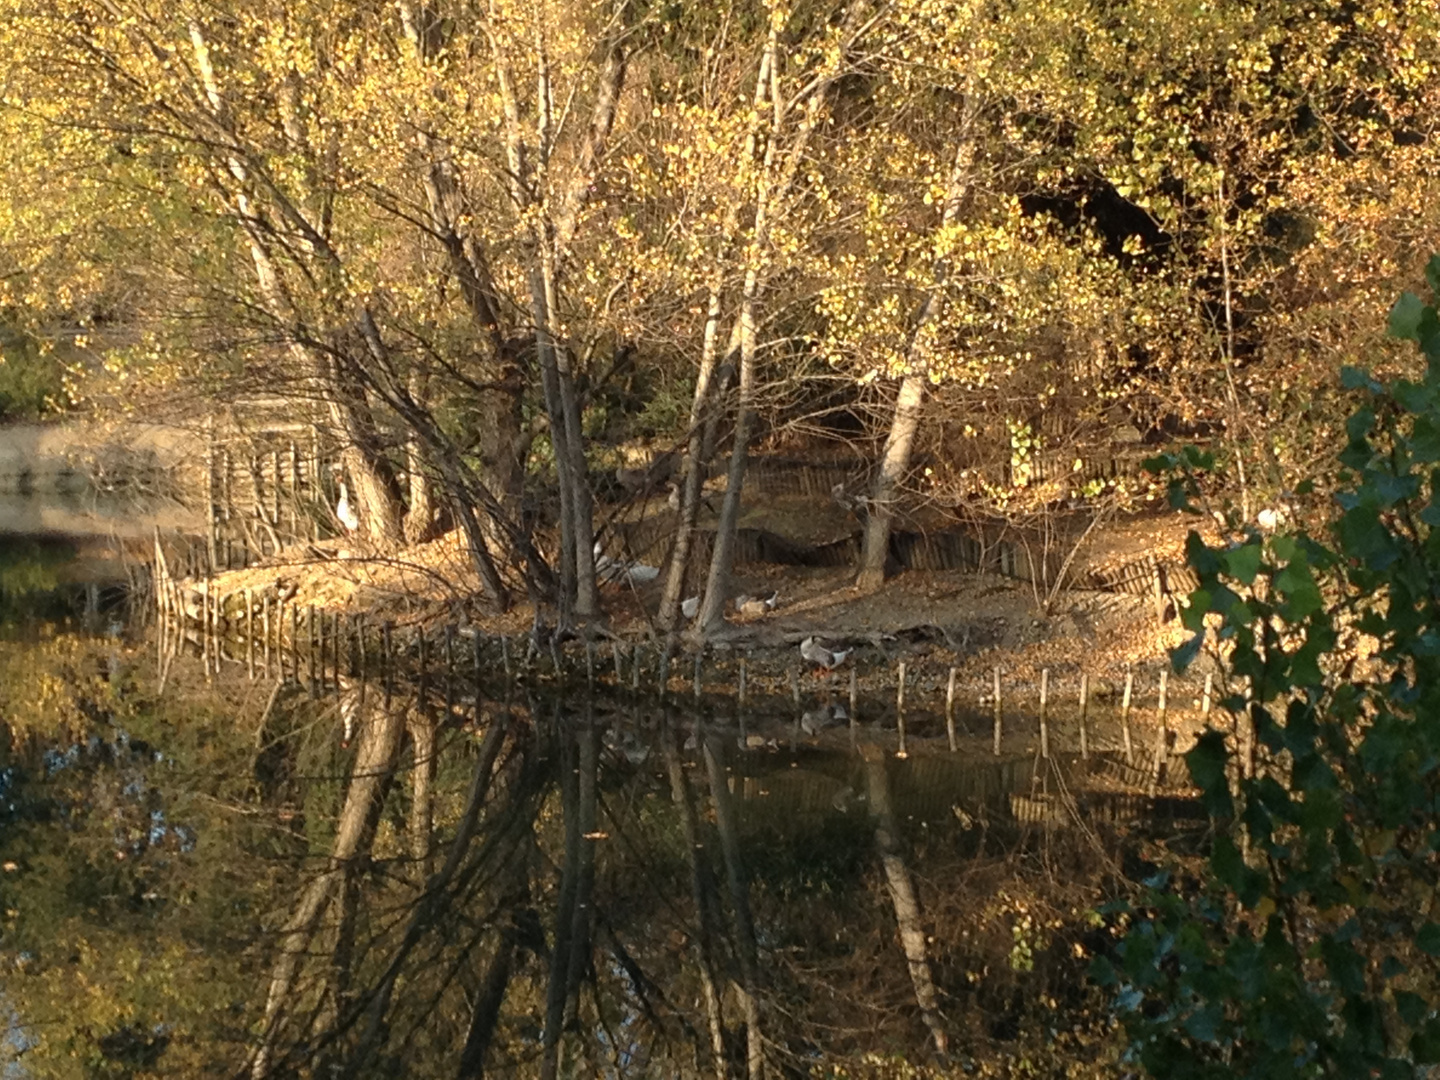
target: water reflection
<point>525,879</point>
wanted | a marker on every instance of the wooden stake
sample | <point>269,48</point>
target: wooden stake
<point>740,689</point>
<point>1044,719</point>
<point>265,634</point>
<point>1125,717</point>
<point>386,662</point>
<point>294,495</point>
<point>1205,697</point>
<point>900,710</point>
<point>449,668</point>
<point>1161,739</point>
<point>999,713</point>
<point>275,488</point>
<point>211,527</point>
<point>207,644</point>
<point>250,634</point>
<point>950,711</point>
<point>1084,713</point>
<point>310,647</point>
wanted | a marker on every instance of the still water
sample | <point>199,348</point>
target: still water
<point>486,876</point>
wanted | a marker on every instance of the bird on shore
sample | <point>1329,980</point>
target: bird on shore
<point>608,570</point>
<point>344,512</point>
<point>812,650</point>
<point>753,607</point>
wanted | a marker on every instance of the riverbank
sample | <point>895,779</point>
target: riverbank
<point>951,630</point>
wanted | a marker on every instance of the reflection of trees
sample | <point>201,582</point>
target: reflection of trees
<point>902,893</point>
<point>740,905</point>
<point>374,764</point>
<point>607,904</point>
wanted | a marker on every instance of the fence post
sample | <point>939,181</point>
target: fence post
<point>1044,720</point>
<point>999,712</point>
<point>1125,716</point>
<point>900,711</point>
<point>950,710</point>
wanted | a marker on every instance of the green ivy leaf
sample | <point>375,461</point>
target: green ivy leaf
<point>1405,318</point>
<point>1243,562</point>
<point>1427,939</point>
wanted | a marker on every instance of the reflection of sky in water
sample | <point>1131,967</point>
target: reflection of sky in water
<point>87,515</point>
<point>116,753</point>
<point>16,1042</point>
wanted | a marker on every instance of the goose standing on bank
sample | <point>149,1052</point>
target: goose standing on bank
<point>811,649</point>
<point>344,512</point>
<point>753,607</point>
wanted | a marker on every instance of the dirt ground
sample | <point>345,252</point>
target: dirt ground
<point>933,620</point>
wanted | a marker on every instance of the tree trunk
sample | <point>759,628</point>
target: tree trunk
<point>704,412</point>
<point>894,464</point>
<point>486,1012</point>
<point>722,558</point>
<point>739,883</point>
<point>500,381</point>
<point>423,916</point>
<point>557,990</point>
<point>420,514</point>
<point>710,387</point>
<point>902,894</point>
<point>375,759</point>
<point>422,740</point>
<point>702,895</point>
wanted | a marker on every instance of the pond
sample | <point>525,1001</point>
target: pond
<point>462,872</point>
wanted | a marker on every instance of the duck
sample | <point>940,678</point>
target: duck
<point>608,570</point>
<point>753,607</point>
<point>344,512</point>
<point>811,649</point>
<point>814,721</point>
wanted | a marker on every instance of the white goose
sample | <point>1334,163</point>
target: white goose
<point>818,654</point>
<point>344,512</point>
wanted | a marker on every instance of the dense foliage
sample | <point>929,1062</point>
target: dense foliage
<point>507,248</point>
<point>1310,946</point>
